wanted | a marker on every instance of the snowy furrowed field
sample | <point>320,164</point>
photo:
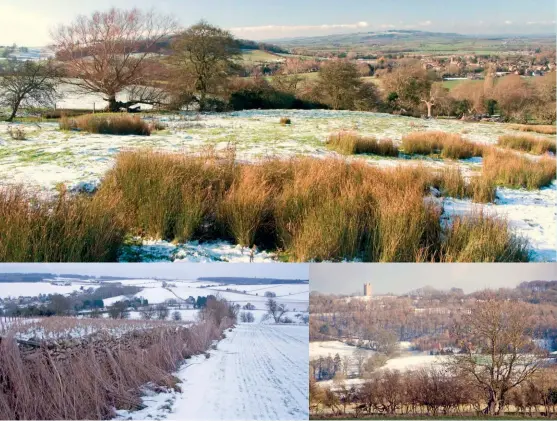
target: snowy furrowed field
<point>79,160</point>
<point>258,372</point>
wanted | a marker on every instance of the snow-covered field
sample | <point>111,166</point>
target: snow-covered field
<point>34,289</point>
<point>50,156</point>
<point>294,296</point>
<point>258,372</point>
<point>408,360</point>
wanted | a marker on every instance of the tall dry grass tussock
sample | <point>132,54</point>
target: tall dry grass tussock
<point>479,238</point>
<point>63,229</point>
<point>528,143</point>
<point>542,129</point>
<point>447,145</point>
<point>311,209</point>
<point>512,170</point>
<point>350,143</point>
<point>107,123</point>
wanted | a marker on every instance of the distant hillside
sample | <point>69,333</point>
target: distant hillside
<point>251,281</point>
<point>367,37</point>
<point>397,41</point>
<point>38,277</point>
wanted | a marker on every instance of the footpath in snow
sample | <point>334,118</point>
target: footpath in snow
<point>258,372</point>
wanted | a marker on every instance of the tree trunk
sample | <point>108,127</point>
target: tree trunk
<point>429,105</point>
<point>113,105</point>
<point>202,100</point>
<point>14,112</point>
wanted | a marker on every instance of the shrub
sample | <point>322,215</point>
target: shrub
<point>528,143</point>
<point>535,128</point>
<point>350,143</point>
<point>16,133</point>
<point>509,169</point>
<point>447,145</point>
<point>107,123</point>
<point>65,229</point>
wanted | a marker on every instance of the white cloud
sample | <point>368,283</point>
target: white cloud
<point>541,23</point>
<point>387,25</point>
<point>425,23</point>
<point>508,22</point>
<point>294,28</point>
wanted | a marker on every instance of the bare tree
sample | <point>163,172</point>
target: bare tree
<point>204,56</point>
<point>162,311</point>
<point>109,52</point>
<point>118,310</point>
<point>501,355</point>
<point>27,84</point>
<point>360,357</point>
<point>176,316</point>
<point>148,312</point>
<point>275,310</point>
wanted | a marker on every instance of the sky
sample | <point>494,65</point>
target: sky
<point>400,278</point>
<point>28,22</point>
<point>164,270</point>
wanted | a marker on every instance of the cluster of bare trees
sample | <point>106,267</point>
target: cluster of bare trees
<point>432,392</point>
<point>411,89</point>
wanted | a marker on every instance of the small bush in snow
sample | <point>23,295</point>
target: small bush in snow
<point>16,133</point>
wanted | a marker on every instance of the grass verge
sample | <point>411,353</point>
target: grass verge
<point>95,377</point>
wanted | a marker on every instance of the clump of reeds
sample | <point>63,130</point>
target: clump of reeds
<point>350,143</point>
<point>107,123</point>
<point>542,129</point>
<point>527,143</point>
<point>447,145</point>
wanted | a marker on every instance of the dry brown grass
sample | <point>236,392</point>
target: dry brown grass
<point>447,145</point>
<point>312,209</point>
<point>96,377</point>
<point>527,143</point>
<point>63,229</point>
<point>479,238</point>
<point>535,128</point>
<point>512,170</point>
<point>107,123</point>
<point>350,143</point>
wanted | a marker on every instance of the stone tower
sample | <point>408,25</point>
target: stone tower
<point>367,290</point>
